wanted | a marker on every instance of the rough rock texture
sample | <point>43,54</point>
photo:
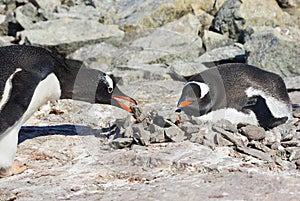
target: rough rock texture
<point>268,45</point>
<point>78,151</point>
<point>236,17</point>
<point>53,34</point>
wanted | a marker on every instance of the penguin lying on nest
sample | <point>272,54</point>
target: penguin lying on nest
<point>239,93</point>
<point>32,76</point>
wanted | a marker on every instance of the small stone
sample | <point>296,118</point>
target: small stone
<point>197,138</point>
<point>260,146</point>
<point>253,132</point>
<point>271,138</point>
<point>297,162</point>
<point>157,134</point>
<point>235,138</point>
<point>287,131</point>
<point>221,141</point>
<point>277,146</point>
<point>294,153</point>
<point>189,128</point>
<point>296,112</point>
<point>121,143</point>
<point>175,133</point>
<point>144,135</point>
<point>227,125</point>
<point>292,143</point>
<point>255,153</point>
<point>159,121</point>
<point>286,164</point>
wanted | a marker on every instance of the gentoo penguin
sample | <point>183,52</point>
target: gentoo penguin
<point>30,77</point>
<point>237,92</point>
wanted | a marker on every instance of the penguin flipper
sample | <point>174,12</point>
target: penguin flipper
<point>21,90</point>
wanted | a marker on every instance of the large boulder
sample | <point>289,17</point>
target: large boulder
<point>134,15</point>
<point>227,54</point>
<point>175,40</point>
<point>236,17</point>
<point>98,56</point>
<point>67,34</point>
<point>275,50</point>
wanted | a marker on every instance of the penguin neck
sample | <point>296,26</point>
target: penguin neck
<point>74,84</point>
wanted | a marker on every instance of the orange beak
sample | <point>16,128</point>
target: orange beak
<point>185,103</point>
<point>129,100</point>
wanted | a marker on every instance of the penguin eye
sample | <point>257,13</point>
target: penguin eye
<point>110,90</point>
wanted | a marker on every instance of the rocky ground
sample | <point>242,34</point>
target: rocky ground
<point>80,151</point>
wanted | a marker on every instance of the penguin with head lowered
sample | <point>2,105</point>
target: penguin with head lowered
<point>239,93</point>
<point>32,76</point>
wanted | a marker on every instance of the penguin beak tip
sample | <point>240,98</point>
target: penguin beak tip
<point>126,99</point>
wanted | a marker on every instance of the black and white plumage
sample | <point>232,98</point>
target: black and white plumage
<point>238,92</point>
<point>30,77</point>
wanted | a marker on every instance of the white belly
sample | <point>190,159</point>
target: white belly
<point>231,115</point>
<point>47,90</point>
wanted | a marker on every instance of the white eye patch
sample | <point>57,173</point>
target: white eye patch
<point>203,87</point>
<point>110,83</point>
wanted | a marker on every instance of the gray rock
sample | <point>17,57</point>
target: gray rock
<point>180,69</point>
<point>143,135</point>
<point>6,40</point>
<point>271,138</point>
<point>25,21</point>
<point>286,3</point>
<point>134,15</point>
<point>190,128</point>
<point>49,5</point>
<point>253,132</point>
<point>260,146</point>
<point>236,18</point>
<point>212,40</point>
<point>98,56</point>
<point>209,6</point>
<point>255,153</point>
<point>209,58</point>
<point>157,134</point>
<point>227,126</point>
<point>287,131</point>
<point>291,143</point>
<point>296,113</point>
<point>266,51</point>
<point>53,34</point>
<point>175,40</point>
<point>294,153</point>
<point>287,165</point>
<point>295,97</point>
<point>80,11</point>
<point>292,83</point>
<point>120,143</point>
<point>197,138</point>
<point>235,138</point>
<point>174,133</point>
<point>221,141</point>
<point>147,71</point>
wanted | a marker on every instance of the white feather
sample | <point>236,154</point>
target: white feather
<point>277,108</point>
<point>203,87</point>
<point>7,89</point>
<point>231,115</point>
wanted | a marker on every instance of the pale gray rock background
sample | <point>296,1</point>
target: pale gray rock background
<point>151,48</point>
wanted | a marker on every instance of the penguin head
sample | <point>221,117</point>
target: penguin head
<point>195,99</point>
<point>108,93</point>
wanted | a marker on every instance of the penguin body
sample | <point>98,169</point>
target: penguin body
<point>240,93</point>
<point>32,76</point>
